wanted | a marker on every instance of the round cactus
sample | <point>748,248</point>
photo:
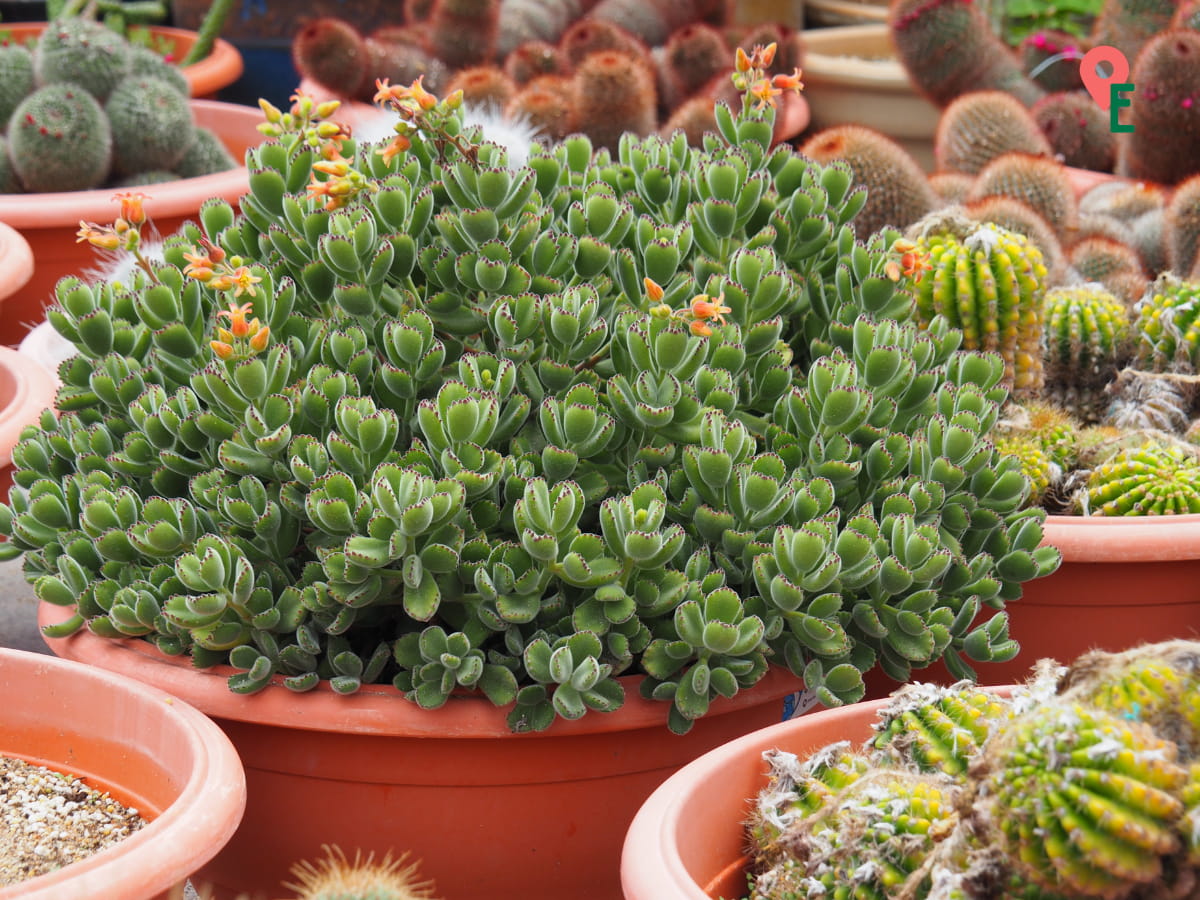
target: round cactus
<point>483,85</point>
<point>60,140</point>
<point>1155,479</point>
<point>9,183</point>
<point>463,32</point>
<point>337,878</point>
<point>1165,112</point>
<point>1085,802</point>
<point>798,789</point>
<point>933,729</point>
<point>1143,401</point>
<point>151,125</point>
<point>1124,200</point>
<point>546,104</point>
<point>1062,74</point>
<point>1168,326</point>
<point>1112,263</point>
<point>982,125</point>
<point>693,56</point>
<point>205,155</point>
<point>83,52</point>
<point>531,60</point>
<point>614,95</point>
<point>695,117</point>
<point>1035,180</point>
<point>588,36</point>
<point>989,282</point>
<point>1086,331</point>
<point>1078,130</point>
<point>333,53</point>
<point>898,193</point>
<point>16,79</point>
<point>1157,684</point>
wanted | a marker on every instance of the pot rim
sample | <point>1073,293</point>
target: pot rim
<point>823,64</point>
<point>35,389</point>
<point>376,709</point>
<point>197,823</point>
<point>1124,538</point>
<point>173,198</point>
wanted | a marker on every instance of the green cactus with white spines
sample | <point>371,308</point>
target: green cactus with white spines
<point>1086,337</point>
<point>16,79</point>
<point>799,788</point>
<point>84,52</point>
<point>881,831</point>
<point>929,728</point>
<point>1168,326</point>
<point>1152,480</point>
<point>1083,801</point>
<point>60,140</point>
<point>989,282</point>
<point>152,125</point>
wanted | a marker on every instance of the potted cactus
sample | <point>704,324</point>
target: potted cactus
<point>425,453</point>
<point>957,792</point>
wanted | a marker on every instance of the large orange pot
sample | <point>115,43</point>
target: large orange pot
<point>50,221</point>
<point>221,68</point>
<point>143,747</point>
<point>490,814</point>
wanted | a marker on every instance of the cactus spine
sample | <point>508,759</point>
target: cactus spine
<point>1034,180</point>
<point>1168,326</point>
<point>1182,227</point>
<point>336,878</point>
<point>989,282</point>
<point>151,125</point>
<point>16,79</point>
<point>932,729</point>
<point>463,32</point>
<point>82,52</point>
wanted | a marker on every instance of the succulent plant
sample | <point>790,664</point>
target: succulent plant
<point>520,431</point>
<point>1037,181</point>
<point>1065,791</point>
<point>1079,131</point>
<point>1129,24</point>
<point>1182,227</point>
<point>16,79</point>
<point>82,52</point>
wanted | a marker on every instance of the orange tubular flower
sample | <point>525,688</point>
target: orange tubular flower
<point>700,328</point>
<point>398,145</point>
<point>237,318</point>
<point>915,265</point>
<point>104,238</point>
<point>741,60</point>
<point>132,210</point>
<point>258,342</point>
<point>654,291</point>
<point>789,82</point>
<point>221,349</point>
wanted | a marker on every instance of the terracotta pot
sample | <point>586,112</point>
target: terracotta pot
<point>49,221</point>
<point>754,12</point>
<point>687,842</point>
<point>852,76</point>
<point>490,814</point>
<point>145,748</point>
<point>219,69</point>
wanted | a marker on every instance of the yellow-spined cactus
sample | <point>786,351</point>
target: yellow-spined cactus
<point>1156,479</point>
<point>990,283</point>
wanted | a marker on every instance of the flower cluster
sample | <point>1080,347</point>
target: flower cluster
<point>423,113</point>
<point>241,339</point>
<point>699,312</point>
<point>750,77</point>
<point>126,231</point>
<point>211,265</point>
<point>906,259</point>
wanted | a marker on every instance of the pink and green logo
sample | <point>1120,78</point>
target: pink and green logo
<point>1108,90</point>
